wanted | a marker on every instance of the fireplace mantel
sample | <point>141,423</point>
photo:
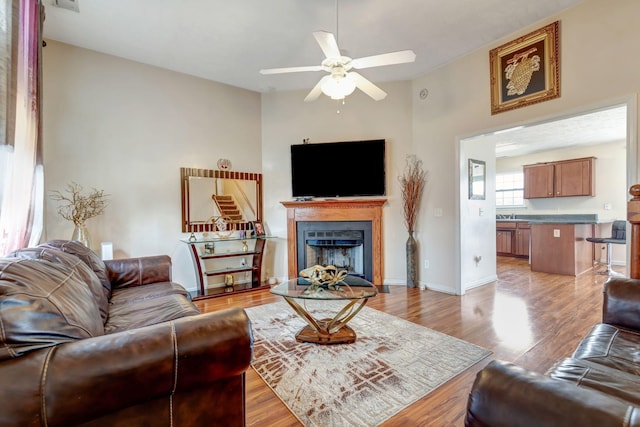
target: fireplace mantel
<point>336,210</point>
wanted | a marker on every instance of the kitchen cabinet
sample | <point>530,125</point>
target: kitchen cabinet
<point>504,239</point>
<point>566,178</point>
<point>522,237</point>
<point>512,238</point>
<point>538,181</point>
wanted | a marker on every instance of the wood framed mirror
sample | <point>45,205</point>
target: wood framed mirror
<point>209,195</point>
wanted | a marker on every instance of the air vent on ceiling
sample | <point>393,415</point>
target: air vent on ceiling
<point>68,4</point>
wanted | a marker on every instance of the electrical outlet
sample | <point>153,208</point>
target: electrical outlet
<point>426,263</point>
<point>556,233</point>
<point>437,212</point>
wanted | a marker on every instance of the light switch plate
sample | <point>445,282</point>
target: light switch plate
<point>556,233</point>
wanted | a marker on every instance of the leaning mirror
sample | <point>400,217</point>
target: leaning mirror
<point>215,200</point>
<point>477,179</point>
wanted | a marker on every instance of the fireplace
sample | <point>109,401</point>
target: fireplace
<point>344,244</point>
<point>343,214</point>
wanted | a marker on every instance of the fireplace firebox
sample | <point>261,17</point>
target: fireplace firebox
<point>344,244</point>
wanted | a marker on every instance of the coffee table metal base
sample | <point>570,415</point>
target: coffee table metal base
<point>328,331</point>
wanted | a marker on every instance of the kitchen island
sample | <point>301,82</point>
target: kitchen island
<point>558,243</point>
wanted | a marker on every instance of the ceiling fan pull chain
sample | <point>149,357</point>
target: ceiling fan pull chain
<point>337,38</point>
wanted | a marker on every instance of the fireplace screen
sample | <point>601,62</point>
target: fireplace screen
<point>344,244</point>
<point>340,248</point>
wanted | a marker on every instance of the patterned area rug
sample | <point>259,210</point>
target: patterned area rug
<point>392,364</point>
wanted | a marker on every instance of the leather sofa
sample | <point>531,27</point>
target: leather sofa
<point>599,385</point>
<point>115,343</point>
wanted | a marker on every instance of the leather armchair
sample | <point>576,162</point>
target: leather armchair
<point>599,385</point>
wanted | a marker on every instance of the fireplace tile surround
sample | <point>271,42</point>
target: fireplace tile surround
<point>336,210</point>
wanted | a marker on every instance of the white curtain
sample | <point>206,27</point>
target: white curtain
<point>21,173</point>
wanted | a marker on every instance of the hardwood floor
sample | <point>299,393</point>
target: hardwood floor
<point>531,319</point>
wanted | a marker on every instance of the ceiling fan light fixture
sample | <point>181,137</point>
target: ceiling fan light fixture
<point>338,87</point>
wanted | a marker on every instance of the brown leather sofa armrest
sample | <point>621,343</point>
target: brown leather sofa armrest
<point>89,378</point>
<point>130,272</point>
<point>505,395</point>
<point>622,303</point>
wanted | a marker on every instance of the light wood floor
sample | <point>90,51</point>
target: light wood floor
<point>531,319</point>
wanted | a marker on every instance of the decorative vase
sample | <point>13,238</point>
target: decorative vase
<point>412,263</point>
<point>81,234</point>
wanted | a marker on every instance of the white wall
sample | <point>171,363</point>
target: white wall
<point>477,219</point>
<point>594,37</point>
<point>287,120</point>
<point>127,128</point>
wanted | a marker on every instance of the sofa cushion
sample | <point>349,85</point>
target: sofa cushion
<point>84,273</point>
<point>43,304</point>
<point>584,373</point>
<point>611,346</point>
<point>154,290</point>
<point>93,261</point>
<point>143,312</point>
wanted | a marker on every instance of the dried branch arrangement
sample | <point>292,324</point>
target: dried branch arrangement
<point>77,207</point>
<point>412,183</point>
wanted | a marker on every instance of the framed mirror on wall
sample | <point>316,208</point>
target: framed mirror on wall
<point>477,179</point>
<point>217,200</point>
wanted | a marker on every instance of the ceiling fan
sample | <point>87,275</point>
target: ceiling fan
<point>342,81</point>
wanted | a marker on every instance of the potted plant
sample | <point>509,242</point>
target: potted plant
<point>412,182</point>
<point>78,208</point>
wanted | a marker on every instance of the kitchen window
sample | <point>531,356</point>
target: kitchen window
<point>510,190</point>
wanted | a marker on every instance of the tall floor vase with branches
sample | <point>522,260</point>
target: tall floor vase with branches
<point>412,182</point>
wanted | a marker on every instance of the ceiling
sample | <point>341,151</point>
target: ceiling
<point>596,127</point>
<point>230,41</point>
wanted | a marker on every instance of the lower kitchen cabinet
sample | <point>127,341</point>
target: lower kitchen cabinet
<point>523,235</point>
<point>512,238</point>
<point>504,239</point>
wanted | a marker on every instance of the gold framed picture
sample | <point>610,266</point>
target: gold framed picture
<point>526,70</point>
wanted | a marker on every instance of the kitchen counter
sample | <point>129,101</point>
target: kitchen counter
<point>557,219</point>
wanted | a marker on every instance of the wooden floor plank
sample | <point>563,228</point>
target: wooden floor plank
<point>532,319</point>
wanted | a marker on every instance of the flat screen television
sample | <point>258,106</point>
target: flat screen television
<point>338,169</point>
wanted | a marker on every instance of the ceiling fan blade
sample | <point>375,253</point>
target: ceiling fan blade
<point>317,90</point>
<point>291,69</point>
<point>328,44</point>
<point>399,57</point>
<point>367,87</point>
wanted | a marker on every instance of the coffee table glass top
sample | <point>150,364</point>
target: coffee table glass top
<point>351,287</point>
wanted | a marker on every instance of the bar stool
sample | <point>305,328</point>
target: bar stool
<point>618,237</point>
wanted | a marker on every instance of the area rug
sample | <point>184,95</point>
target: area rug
<point>392,364</point>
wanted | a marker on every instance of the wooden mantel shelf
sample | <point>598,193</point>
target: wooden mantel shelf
<point>336,210</point>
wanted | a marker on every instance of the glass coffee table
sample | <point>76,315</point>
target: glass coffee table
<point>354,291</point>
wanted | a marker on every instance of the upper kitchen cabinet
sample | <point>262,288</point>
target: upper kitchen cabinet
<point>575,177</point>
<point>566,178</point>
<point>538,181</point>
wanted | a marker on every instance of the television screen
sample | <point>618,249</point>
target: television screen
<point>338,169</point>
